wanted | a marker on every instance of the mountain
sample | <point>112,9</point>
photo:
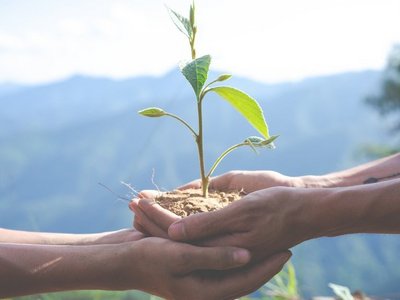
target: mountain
<point>59,140</point>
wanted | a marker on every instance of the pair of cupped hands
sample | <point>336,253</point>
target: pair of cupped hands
<point>246,242</point>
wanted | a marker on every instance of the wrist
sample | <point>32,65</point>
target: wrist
<point>91,267</point>
<point>370,208</point>
<point>309,216</point>
<point>318,181</point>
<point>121,266</point>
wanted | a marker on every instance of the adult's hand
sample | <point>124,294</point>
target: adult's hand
<point>163,267</point>
<point>180,271</point>
<point>264,222</point>
<point>152,219</point>
<point>248,181</point>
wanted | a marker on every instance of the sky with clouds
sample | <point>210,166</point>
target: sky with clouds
<point>266,40</point>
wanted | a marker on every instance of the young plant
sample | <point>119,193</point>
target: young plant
<point>196,72</point>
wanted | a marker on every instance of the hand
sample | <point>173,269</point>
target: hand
<point>180,271</point>
<point>154,220</point>
<point>163,267</point>
<point>248,181</point>
<point>150,218</point>
<point>264,222</point>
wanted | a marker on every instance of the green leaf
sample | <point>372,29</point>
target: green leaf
<point>256,141</point>
<point>192,14</point>
<point>196,72</point>
<point>223,77</point>
<point>182,23</point>
<point>246,105</point>
<point>152,112</point>
<point>342,292</point>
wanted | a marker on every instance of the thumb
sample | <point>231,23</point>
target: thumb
<point>201,225</point>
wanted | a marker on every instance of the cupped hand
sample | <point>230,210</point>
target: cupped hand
<point>181,271</point>
<point>248,181</point>
<point>150,218</point>
<point>264,222</point>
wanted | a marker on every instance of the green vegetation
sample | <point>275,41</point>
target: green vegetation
<point>196,72</point>
<point>387,102</point>
<point>90,295</point>
<point>341,292</point>
<point>282,287</point>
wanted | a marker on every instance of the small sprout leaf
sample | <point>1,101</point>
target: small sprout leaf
<point>246,105</point>
<point>152,112</point>
<point>223,77</point>
<point>192,14</point>
<point>257,142</point>
<point>254,140</point>
<point>182,23</point>
<point>196,72</point>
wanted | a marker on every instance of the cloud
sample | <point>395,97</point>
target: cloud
<point>265,40</point>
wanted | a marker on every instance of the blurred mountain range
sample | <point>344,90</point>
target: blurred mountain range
<point>59,140</point>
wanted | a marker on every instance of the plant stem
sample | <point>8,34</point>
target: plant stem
<point>183,122</point>
<point>222,156</point>
<point>199,141</point>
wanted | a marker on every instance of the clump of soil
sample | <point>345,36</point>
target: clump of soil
<point>187,202</point>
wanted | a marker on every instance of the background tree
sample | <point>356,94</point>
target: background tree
<point>387,100</point>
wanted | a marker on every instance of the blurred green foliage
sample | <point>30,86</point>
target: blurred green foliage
<point>90,295</point>
<point>387,103</point>
<point>282,287</point>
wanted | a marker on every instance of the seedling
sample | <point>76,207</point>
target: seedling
<point>196,72</point>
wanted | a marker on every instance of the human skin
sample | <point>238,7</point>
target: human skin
<point>49,238</point>
<point>287,212</point>
<point>162,267</point>
<point>382,169</point>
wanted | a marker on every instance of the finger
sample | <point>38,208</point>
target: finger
<point>147,225</point>
<point>149,194</point>
<point>246,280</point>
<point>201,225</point>
<point>211,258</point>
<point>139,227</point>
<point>195,184</point>
<point>235,239</point>
<point>160,216</point>
<point>132,204</point>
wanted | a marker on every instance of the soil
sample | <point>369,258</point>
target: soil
<point>191,201</point>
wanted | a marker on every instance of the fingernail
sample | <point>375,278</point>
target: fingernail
<point>176,231</point>
<point>241,256</point>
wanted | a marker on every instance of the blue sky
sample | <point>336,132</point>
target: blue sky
<point>270,41</point>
